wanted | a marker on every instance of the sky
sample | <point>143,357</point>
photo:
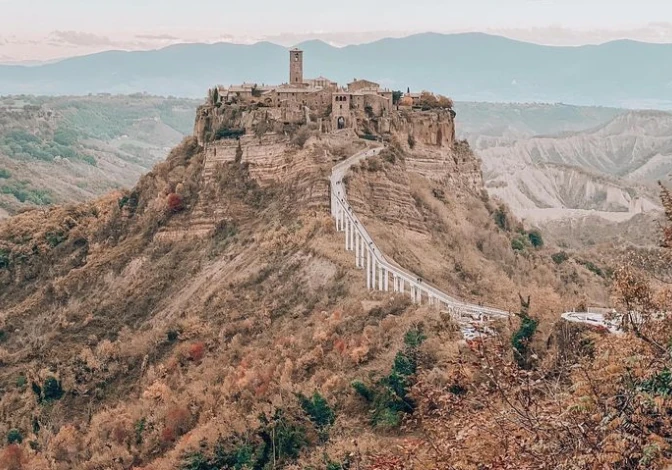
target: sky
<point>49,29</point>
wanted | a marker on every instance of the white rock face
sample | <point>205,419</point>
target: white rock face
<point>609,171</point>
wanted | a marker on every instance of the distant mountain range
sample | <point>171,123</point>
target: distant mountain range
<point>474,66</point>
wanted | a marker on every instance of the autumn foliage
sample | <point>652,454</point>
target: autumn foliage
<point>12,458</point>
<point>174,202</point>
<point>196,351</point>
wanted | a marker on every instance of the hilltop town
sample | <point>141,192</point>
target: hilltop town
<point>362,105</point>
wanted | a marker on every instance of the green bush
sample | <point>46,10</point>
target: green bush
<point>5,174</point>
<point>52,389</point>
<point>363,391</point>
<point>592,267</point>
<point>229,133</point>
<point>318,410</point>
<point>659,385</point>
<point>521,340</point>
<point>501,216</point>
<point>560,257</point>
<point>388,397</point>
<point>14,437</point>
<point>139,428</point>
<point>21,191</point>
<point>21,381</point>
<point>414,338</point>
<point>56,238</point>
<point>518,244</point>
<point>403,365</point>
<point>536,238</point>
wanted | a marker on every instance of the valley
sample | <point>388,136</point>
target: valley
<point>71,149</point>
<point>584,179</point>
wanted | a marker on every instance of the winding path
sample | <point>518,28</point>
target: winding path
<point>379,271</point>
<point>593,319</point>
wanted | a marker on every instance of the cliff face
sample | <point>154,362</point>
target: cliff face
<point>276,152</point>
<point>435,128</point>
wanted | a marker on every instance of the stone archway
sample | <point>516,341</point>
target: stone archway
<point>341,122</point>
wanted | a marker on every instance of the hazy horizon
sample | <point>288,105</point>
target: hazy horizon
<point>73,27</point>
<point>335,39</point>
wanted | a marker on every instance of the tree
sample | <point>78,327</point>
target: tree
<point>318,410</point>
<point>522,337</point>
<point>14,436</point>
<point>52,389</point>
<point>396,96</point>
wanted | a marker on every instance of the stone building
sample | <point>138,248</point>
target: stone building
<point>319,97</point>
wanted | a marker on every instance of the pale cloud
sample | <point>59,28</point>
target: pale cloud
<point>157,37</point>
<point>79,38</point>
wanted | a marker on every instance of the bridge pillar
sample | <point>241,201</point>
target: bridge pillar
<point>348,240</point>
<point>368,269</point>
<point>357,245</point>
<point>380,278</point>
<point>386,281</point>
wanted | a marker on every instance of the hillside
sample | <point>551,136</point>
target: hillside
<point>608,172</point>
<point>133,336</point>
<point>69,149</point>
<point>474,67</point>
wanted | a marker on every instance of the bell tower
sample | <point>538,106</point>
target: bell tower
<point>296,67</point>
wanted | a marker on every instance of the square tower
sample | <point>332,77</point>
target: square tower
<point>296,67</point>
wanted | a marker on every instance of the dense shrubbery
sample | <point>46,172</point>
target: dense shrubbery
<point>277,441</point>
<point>22,192</point>
<point>226,132</point>
<point>388,397</point>
<point>318,410</point>
<point>535,238</point>
<point>560,257</point>
<point>22,144</point>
